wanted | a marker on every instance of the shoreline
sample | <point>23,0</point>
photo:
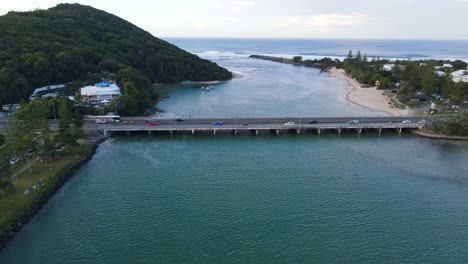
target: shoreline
<point>432,135</point>
<point>9,233</point>
<point>366,97</point>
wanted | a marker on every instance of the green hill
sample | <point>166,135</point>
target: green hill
<point>66,42</point>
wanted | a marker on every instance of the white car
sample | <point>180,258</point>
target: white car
<point>423,122</point>
<point>14,160</point>
<point>354,122</point>
<point>406,121</point>
<point>289,124</point>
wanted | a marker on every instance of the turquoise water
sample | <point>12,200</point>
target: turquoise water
<point>286,199</point>
<point>265,199</point>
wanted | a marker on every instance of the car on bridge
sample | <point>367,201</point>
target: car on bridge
<point>289,124</point>
<point>313,122</point>
<point>218,123</point>
<point>406,121</point>
<point>150,120</point>
<point>179,120</point>
<point>152,124</point>
<point>353,122</point>
<point>245,124</point>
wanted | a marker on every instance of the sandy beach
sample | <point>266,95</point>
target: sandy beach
<point>366,97</point>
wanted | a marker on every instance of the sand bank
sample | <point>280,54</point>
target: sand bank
<point>367,97</point>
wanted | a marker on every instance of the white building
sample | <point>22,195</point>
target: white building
<point>447,65</point>
<point>441,73</point>
<point>388,67</point>
<point>460,76</point>
<point>100,93</point>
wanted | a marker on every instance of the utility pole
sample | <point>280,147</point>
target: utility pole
<point>53,108</point>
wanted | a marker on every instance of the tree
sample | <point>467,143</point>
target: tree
<point>350,55</point>
<point>459,65</point>
<point>297,59</point>
<point>365,59</point>
<point>428,80</point>
<point>358,56</point>
<point>405,91</point>
<point>66,118</point>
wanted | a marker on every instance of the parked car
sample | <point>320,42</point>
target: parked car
<point>14,160</point>
<point>406,121</point>
<point>313,122</point>
<point>354,122</point>
<point>218,123</point>
<point>61,148</point>
<point>289,124</point>
<point>151,124</point>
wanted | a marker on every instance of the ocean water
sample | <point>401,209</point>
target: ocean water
<point>268,199</point>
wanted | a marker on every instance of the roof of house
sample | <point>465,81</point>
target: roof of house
<point>47,91</point>
<point>110,89</point>
<point>103,84</point>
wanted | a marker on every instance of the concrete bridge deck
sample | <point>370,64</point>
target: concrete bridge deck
<point>270,125</point>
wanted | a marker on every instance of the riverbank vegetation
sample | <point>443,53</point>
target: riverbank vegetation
<point>71,43</point>
<point>455,126</point>
<point>34,158</point>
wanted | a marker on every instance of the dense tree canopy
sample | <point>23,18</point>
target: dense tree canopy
<point>65,43</point>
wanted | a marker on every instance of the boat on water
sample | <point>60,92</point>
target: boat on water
<point>207,88</point>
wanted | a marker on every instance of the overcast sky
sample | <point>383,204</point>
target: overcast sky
<point>400,19</point>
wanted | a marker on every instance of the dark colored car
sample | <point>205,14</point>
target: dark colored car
<point>313,122</point>
<point>179,120</point>
<point>245,124</point>
<point>218,123</point>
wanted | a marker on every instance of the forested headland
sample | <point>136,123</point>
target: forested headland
<point>71,43</point>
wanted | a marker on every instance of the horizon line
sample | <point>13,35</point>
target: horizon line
<point>294,38</point>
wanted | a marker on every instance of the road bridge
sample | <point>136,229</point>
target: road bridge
<point>275,125</point>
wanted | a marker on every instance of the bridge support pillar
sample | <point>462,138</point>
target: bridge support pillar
<point>214,132</point>
<point>277,131</point>
<point>400,130</point>
<point>235,132</point>
<point>360,130</point>
<point>149,132</point>
<point>319,131</point>
<point>256,131</point>
<point>105,133</point>
<point>298,131</point>
<point>193,132</point>
<point>380,130</point>
<point>128,133</point>
<point>339,131</point>
<point>172,132</point>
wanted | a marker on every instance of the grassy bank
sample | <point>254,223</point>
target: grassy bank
<point>16,205</point>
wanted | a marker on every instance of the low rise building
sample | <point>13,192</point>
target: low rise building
<point>388,67</point>
<point>99,93</point>
<point>47,91</point>
<point>460,76</point>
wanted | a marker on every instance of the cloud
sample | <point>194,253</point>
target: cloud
<point>308,26</point>
<point>334,20</point>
